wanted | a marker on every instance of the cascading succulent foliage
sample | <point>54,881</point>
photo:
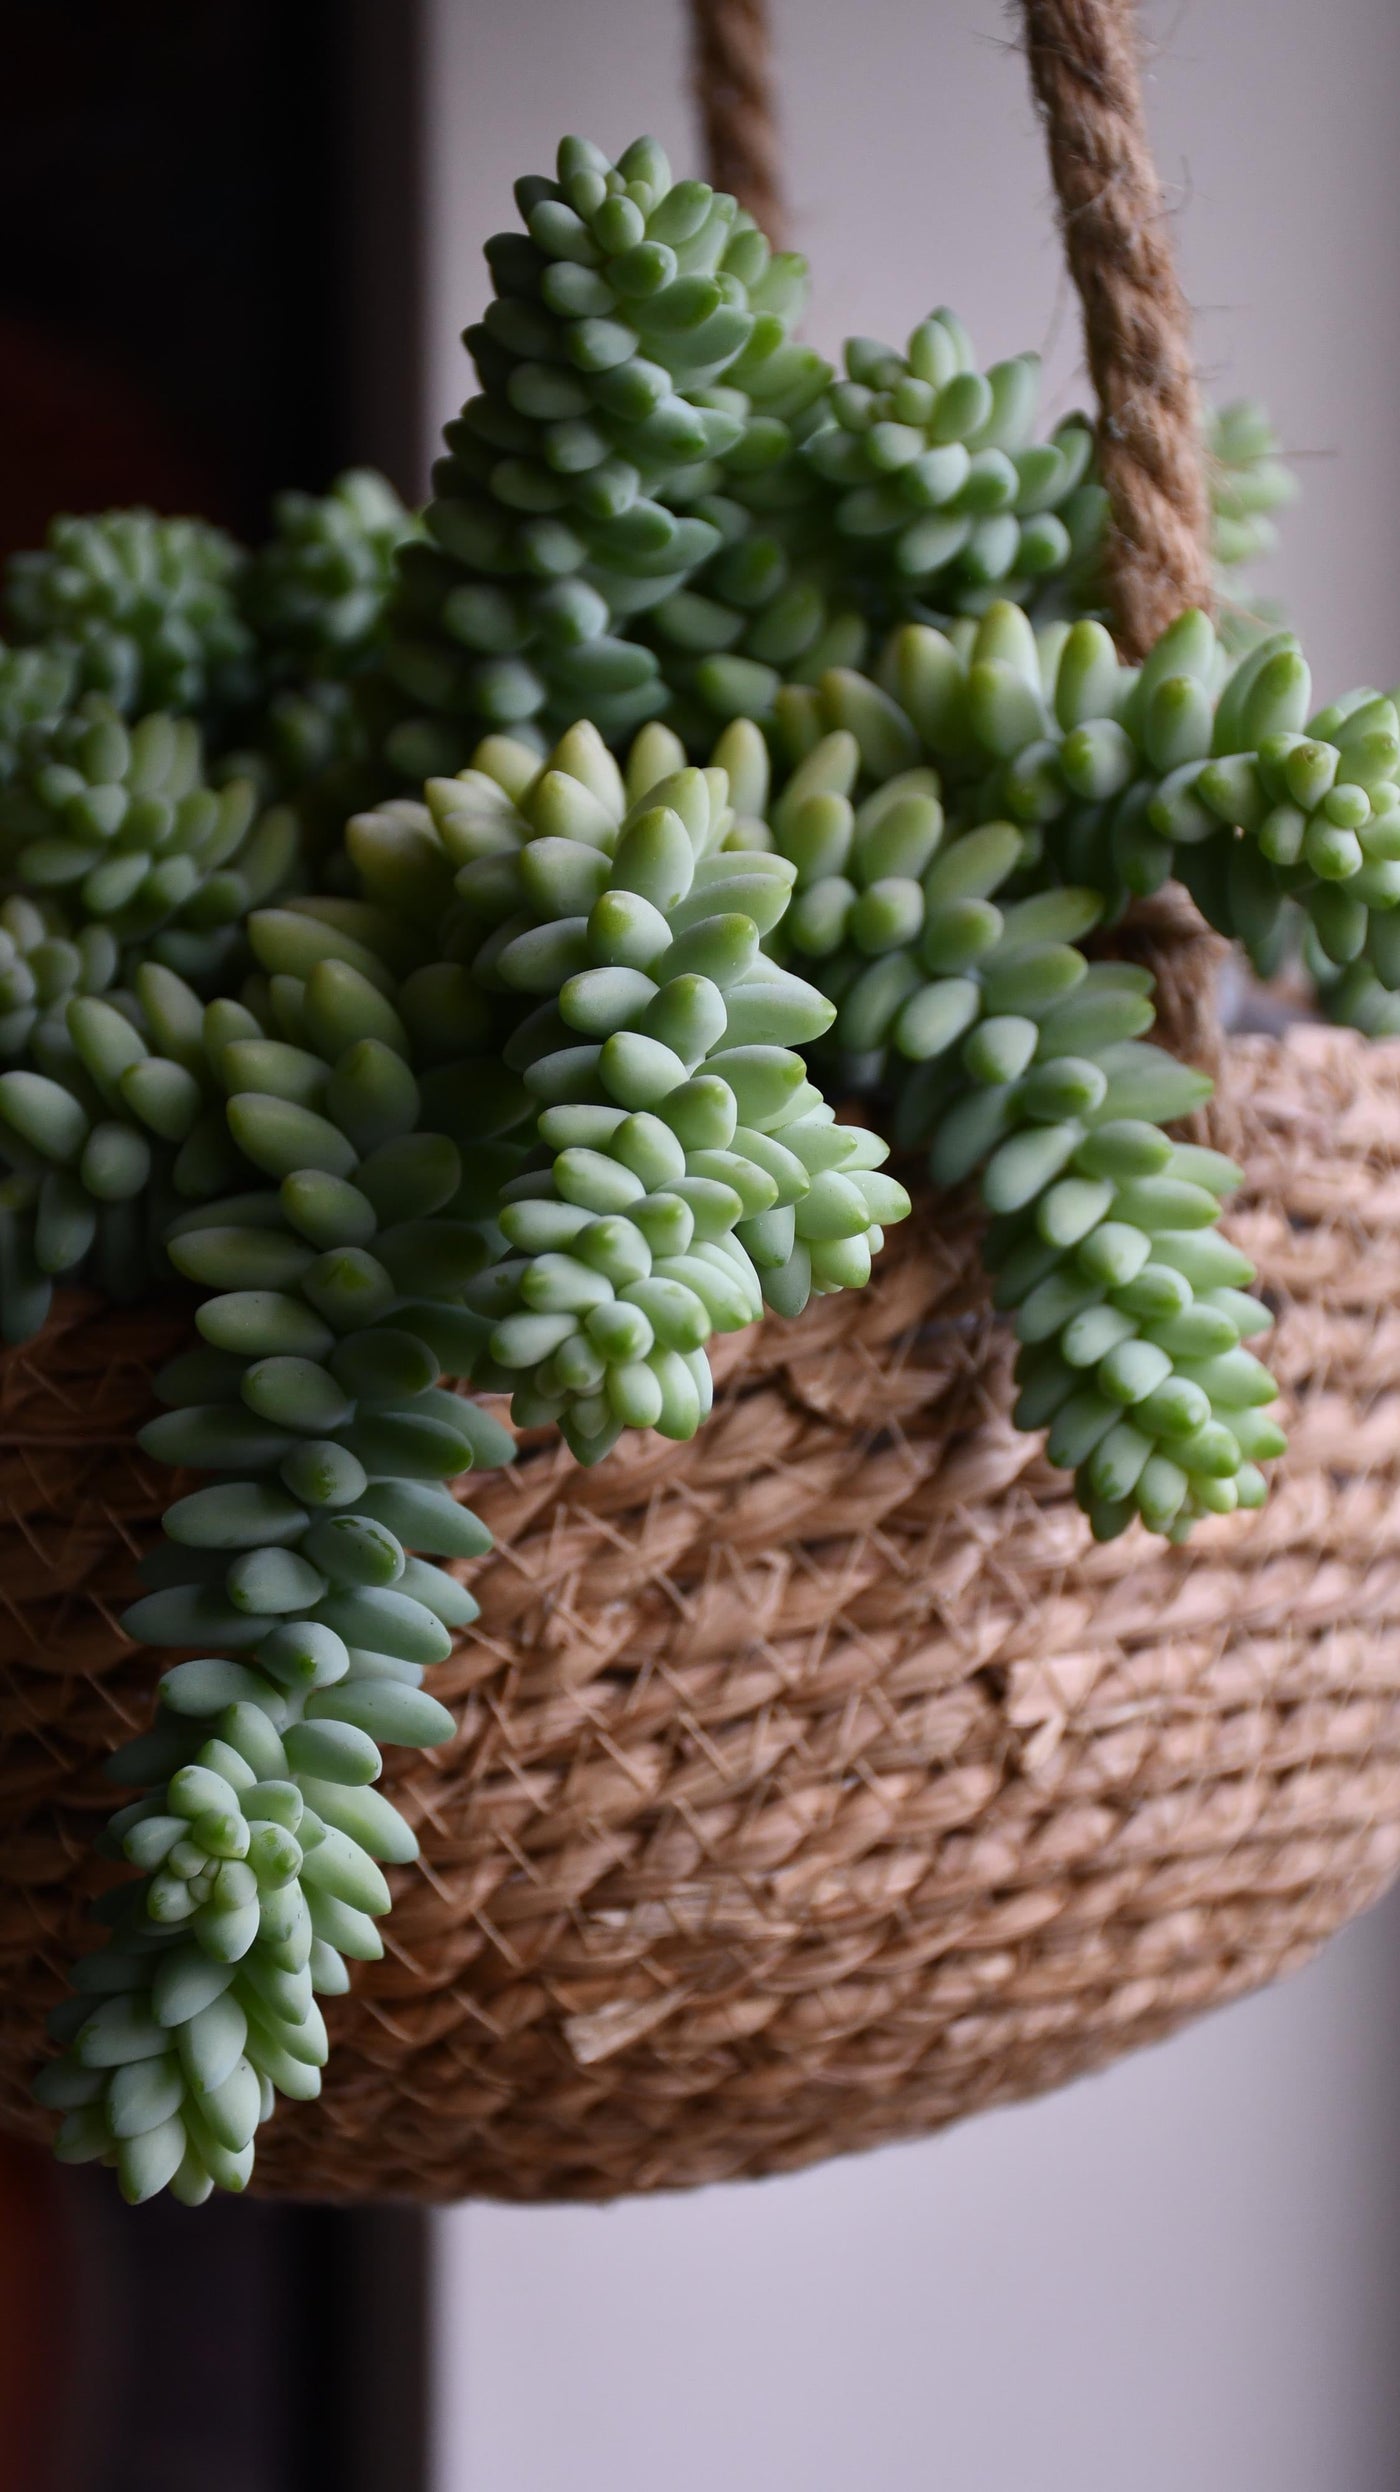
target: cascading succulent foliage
<point>936,481</point>
<point>170,614</point>
<point>132,875</point>
<point>604,1143</point>
<point>335,1275</point>
<point>684,1169</point>
<point>962,989</point>
<point>1249,480</point>
<point>433,942</point>
<point>36,687</point>
<point>639,335</point>
<point>659,502</point>
<point>145,608</point>
<point>123,822</point>
<point>317,597</point>
<point>316,593</point>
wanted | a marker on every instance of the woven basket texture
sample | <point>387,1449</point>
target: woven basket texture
<point>819,1782</point>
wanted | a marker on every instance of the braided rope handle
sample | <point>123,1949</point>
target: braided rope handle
<point>732,78</point>
<point>1085,68</point>
<point>1084,65</point>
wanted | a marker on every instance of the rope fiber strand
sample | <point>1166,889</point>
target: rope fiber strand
<point>1084,67</point>
<point>732,79</point>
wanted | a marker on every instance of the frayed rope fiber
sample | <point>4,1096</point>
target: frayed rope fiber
<point>1083,58</point>
<point>732,80</point>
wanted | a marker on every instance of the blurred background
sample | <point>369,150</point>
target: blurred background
<point>244,240</point>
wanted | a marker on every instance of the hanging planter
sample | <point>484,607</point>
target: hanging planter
<point>818,1784</point>
<point>823,1780</point>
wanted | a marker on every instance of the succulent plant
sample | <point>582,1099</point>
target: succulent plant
<point>966,995</point>
<point>913,488</point>
<point>1249,480</point>
<point>317,596</point>
<point>639,331</point>
<point>145,609</point>
<point>317,592</point>
<point>385,1155</point>
<point>122,822</point>
<point>133,877</point>
<point>313,1397</point>
<point>36,688</point>
<point>684,1169</point>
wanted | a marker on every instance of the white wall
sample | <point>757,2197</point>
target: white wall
<point>1182,2276</point>
<point>1186,2273</point>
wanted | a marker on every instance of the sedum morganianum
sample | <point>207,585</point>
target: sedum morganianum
<point>638,335</point>
<point>391,1160</point>
<point>683,1169</point>
<point>964,992</point>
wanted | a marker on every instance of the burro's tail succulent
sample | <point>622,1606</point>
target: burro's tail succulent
<point>37,687</point>
<point>316,592</point>
<point>121,823</point>
<point>937,480</point>
<point>1249,480</point>
<point>683,1168</point>
<point>134,876</point>
<point>573,1218</point>
<point>145,609</point>
<point>316,596</point>
<point>1221,773</point>
<point>639,330</point>
<point>334,1275</point>
<point>523,1085</point>
<point>962,986</point>
<point>914,486</point>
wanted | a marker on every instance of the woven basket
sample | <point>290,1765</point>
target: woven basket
<point>819,1782</point>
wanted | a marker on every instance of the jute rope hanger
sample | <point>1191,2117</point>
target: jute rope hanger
<point>732,80</point>
<point>1084,67</point>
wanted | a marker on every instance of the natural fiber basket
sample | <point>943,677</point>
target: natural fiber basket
<point>819,1782</point>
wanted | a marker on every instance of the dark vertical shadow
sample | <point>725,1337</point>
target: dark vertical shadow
<point>384,241</point>
<point>214,291</point>
<point>174,183</point>
<point>250,2347</point>
<point>367,2271</point>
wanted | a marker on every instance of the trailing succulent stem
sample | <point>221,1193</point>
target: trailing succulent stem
<point>1012,1057</point>
<point>317,591</point>
<point>133,879</point>
<point>1248,481</point>
<point>659,504</point>
<point>170,615</point>
<point>122,824</point>
<point>335,1273</point>
<point>317,596</point>
<point>144,608</point>
<point>37,686</point>
<point>638,336</point>
<point>683,1169</point>
<point>606,1149</point>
